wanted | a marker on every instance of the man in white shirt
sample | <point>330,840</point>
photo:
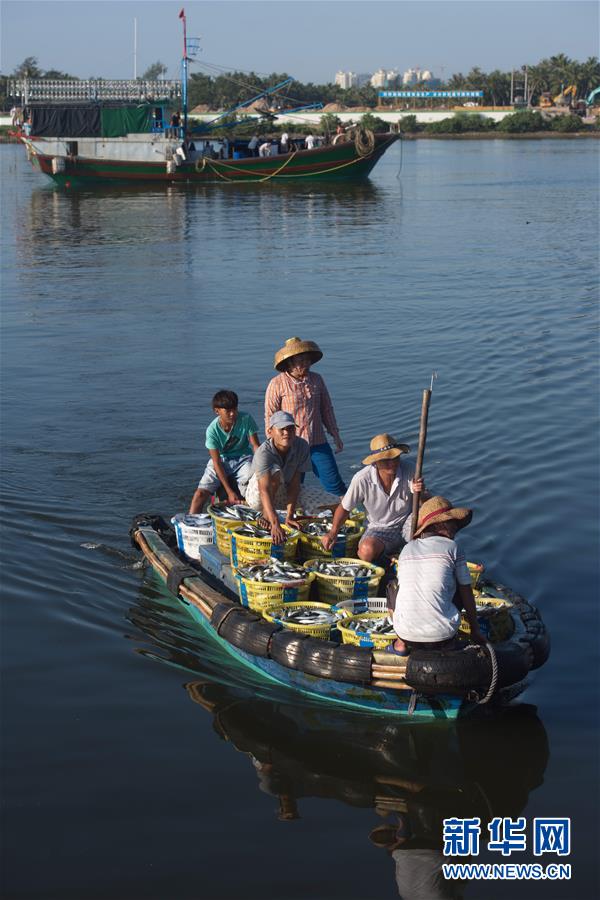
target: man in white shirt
<point>434,583</point>
<point>253,144</point>
<point>385,488</point>
<point>265,149</point>
<point>284,142</point>
<point>309,141</point>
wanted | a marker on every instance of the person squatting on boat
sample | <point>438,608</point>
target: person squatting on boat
<point>231,440</point>
<point>304,395</point>
<point>277,468</point>
<point>434,583</point>
<point>384,487</point>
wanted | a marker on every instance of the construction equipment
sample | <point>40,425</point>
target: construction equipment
<point>566,96</point>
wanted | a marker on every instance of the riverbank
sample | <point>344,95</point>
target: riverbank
<point>500,136</point>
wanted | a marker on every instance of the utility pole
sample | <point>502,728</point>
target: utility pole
<point>134,49</point>
<point>512,87</point>
<point>527,97</point>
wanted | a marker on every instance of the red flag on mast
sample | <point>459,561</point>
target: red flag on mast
<point>182,14</point>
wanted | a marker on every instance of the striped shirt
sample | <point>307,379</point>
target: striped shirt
<point>308,401</point>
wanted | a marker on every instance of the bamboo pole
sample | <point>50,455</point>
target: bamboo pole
<point>421,453</point>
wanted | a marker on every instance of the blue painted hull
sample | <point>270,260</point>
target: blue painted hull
<point>367,699</point>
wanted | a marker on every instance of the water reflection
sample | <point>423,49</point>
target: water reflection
<point>411,774</point>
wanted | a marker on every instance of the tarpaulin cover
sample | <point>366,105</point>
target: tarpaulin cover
<point>69,121</point>
<point>125,120</point>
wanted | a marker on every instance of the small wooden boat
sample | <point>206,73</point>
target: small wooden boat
<point>430,683</point>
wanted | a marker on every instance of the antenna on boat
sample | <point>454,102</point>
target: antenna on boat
<point>421,452</point>
<point>184,73</point>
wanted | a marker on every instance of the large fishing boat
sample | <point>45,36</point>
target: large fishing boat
<point>442,684</point>
<point>80,131</point>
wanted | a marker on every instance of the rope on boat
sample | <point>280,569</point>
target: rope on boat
<point>494,680</point>
<point>214,164</point>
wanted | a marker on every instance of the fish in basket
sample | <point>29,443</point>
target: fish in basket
<point>367,630</point>
<point>314,619</point>
<point>312,529</point>
<point>270,583</point>
<point>345,578</point>
<point>494,615</point>
<point>227,518</point>
<point>252,542</point>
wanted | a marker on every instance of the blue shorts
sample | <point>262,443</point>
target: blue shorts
<point>325,468</point>
<point>240,468</point>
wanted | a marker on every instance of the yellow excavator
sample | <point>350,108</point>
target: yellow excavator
<point>565,98</point>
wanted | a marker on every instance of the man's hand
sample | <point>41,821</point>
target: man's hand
<point>232,497</point>
<point>277,533</point>
<point>477,636</point>
<point>418,485</point>
<point>339,445</point>
<point>328,540</point>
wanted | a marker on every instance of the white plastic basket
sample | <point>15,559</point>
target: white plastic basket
<point>193,532</point>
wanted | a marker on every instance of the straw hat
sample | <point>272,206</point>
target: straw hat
<point>385,446</point>
<point>292,347</point>
<point>439,509</point>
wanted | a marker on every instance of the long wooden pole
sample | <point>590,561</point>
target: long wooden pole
<point>421,453</point>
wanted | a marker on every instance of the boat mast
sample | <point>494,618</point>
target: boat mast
<point>184,73</point>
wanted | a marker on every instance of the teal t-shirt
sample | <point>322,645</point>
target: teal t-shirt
<point>234,443</point>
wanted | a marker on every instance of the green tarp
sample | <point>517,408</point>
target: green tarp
<point>125,120</point>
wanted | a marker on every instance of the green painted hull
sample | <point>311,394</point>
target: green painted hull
<point>341,161</point>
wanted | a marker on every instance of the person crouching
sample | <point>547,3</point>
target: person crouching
<point>434,582</point>
<point>277,468</point>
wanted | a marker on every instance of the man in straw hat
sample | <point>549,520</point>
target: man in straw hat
<point>384,487</point>
<point>434,582</point>
<point>304,395</point>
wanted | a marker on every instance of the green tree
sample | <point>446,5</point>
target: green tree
<point>328,123</point>
<point>409,125</point>
<point>566,123</point>
<point>28,69</point>
<point>155,71</point>
<point>374,123</point>
<point>523,121</point>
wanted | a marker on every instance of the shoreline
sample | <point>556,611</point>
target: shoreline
<point>501,135</point>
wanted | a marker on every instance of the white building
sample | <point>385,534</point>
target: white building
<point>382,78</point>
<point>416,76</point>
<point>346,80</point>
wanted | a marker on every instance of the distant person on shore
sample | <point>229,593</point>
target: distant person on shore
<point>304,394</point>
<point>253,145</point>
<point>310,141</point>
<point>277,470</point>
<point>385,488</point>
<point>231,440</point>
<point>434,583</point>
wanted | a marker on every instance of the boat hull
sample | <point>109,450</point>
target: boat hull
<point>340,162</point>
<point>351,677</point>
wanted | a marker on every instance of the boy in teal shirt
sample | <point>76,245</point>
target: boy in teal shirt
<point>231,440</point>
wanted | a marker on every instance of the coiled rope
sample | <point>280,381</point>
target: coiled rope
<point>494,680</point>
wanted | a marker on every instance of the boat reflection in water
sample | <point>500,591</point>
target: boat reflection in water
<point>413,774</point>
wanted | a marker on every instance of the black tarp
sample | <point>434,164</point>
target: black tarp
<point>65,121</point>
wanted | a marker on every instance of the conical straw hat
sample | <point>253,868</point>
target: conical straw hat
<point>439,509</point>
<point>292,347</point>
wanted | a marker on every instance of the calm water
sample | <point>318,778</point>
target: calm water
<point>137,762</point>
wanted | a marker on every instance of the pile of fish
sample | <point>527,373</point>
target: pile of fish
<point>340,570</point>
<point>371,626</point>
<point>323,526</point>
<point>196,520</point>
<point>251,530</point>
<point>304,616</point>
<point>237,512</point>
<point>274,571</point>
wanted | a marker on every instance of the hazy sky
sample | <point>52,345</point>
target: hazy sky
<point>310,39</point>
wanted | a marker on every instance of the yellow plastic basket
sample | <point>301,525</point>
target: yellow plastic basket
<point>364,638</point>
<point>323,632</point>
<point>346,545</point>
<point>260,595</point>
<point>476,570</point>
<point>244,548</point>
<point>495,621</point>
<point>222,528</point>
<point>333,589</point>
